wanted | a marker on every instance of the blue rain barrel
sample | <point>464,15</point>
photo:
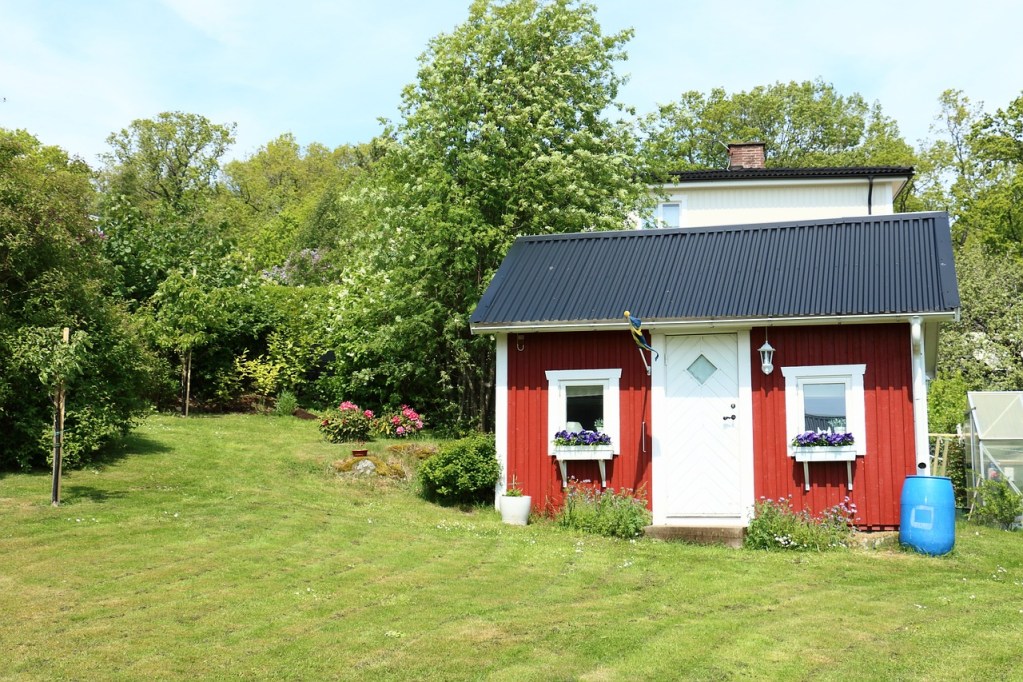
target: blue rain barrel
<point>928,521</point>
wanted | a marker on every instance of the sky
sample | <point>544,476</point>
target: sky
<point>74,71</point>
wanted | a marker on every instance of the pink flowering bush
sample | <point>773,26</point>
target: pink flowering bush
<point>405,423</point>
<point>776,525</point>
<point>349,423</point>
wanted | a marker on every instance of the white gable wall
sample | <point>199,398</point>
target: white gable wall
<point>744,202</point>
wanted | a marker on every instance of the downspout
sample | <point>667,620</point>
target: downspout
<point>870,195</point>
<point>923,457</point>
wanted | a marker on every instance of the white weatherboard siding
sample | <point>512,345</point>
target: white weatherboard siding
<point>741,203</point>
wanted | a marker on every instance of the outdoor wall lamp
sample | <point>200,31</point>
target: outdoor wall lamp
<point>766,356</point>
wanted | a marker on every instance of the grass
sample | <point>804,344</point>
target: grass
<point>226,548</point>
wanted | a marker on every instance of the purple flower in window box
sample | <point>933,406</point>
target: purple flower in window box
<point>809,439</point>
<point>581,438</point>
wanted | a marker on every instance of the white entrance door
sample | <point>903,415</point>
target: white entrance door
<point>701,468</point>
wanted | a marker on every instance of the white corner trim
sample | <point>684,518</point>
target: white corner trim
<point>501,414</point>
<point>746,463</point>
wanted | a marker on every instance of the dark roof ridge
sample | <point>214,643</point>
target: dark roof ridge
<point>734,227</point>
<point>807,172</point>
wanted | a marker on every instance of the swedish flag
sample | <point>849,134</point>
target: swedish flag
<point>635,326</point>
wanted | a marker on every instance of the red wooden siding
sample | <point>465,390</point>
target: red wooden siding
<point>887,385</point>
<point>529,433</point>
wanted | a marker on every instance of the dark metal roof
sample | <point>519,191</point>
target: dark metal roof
<point>792,173</point>
<point>847,267</point>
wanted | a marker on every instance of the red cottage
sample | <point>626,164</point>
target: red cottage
<point>705,422</point>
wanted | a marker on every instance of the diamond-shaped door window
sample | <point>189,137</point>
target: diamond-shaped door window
<point>702,369</point>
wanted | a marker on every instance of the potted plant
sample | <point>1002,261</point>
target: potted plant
<point>515,506</point>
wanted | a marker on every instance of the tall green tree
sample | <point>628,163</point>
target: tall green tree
<point>159,183</point>
<point>802,125</point>
<point>53,275</point>
<point>974,172</point>
<point>506,132</point>
<point>169,164</point>
<point>984,349</point>
<point>287,205</point>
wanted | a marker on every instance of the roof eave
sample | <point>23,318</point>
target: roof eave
<point>715,323</point>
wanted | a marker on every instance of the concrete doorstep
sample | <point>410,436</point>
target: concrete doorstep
<point>730,536</point>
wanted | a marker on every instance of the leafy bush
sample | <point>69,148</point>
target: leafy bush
<point>463,471</point>
<point>776,525</point>
<point>405,423</point>
<point>286,404</point>
<point>998,504</point>
<point>347,424</point>
<point>262,374</point>
<point>621,514</point>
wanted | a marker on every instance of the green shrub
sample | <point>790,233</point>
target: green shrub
<point>997,503</point>
<point>621,514</point>
<point>349,423</point>
<point>776,525</point>
<point>463,471</point>
<point>286,404</point>
<point>262,374</point>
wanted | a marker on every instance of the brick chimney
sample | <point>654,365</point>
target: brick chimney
<point>745,155</point>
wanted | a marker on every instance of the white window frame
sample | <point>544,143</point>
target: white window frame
<point>558,380</point>
<point>657,219</point>
<point>855,405</point>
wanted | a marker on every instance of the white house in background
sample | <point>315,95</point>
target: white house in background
<point>747,192</point>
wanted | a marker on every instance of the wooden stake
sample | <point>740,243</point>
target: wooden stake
<point>58,432</point>
<point>188,382</point>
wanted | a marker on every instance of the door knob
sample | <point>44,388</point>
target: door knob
<point>727,418</point>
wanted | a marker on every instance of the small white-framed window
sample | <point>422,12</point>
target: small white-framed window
<point>667,214</point>
<point>826,398</point>
<point>584,399</point>
<point>671,214</point>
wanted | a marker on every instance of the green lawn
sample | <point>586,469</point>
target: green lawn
<point>225,548</point>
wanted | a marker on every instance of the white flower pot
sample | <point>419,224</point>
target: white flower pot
<point>515,510</point>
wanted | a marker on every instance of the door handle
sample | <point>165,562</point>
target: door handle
<point>727,418</point>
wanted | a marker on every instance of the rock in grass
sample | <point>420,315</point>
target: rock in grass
<point>368,465</point>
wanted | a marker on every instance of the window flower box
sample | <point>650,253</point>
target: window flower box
<point>824,453</point>
<point>571,453</point>
<point>824,446</point>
